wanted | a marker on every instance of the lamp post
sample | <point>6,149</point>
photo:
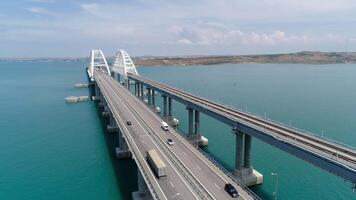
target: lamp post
<point>276,188</point>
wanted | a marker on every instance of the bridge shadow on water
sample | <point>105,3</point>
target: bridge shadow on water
<point>126,169</point>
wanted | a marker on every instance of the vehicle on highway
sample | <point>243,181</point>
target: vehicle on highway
<point>170,142</point>
<point>128,122</point>
<point>156,164</point>
<point>231,190</point>
<point>164,126</point>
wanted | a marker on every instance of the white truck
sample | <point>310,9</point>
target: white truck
<point>156,164</point>
<point>164,126</point>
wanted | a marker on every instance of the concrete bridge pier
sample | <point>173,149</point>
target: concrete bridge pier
<point>143,193</point>
<point>142,91</point>
<point>170,119</point>
<point>149,99</point>
<point>153,98</point>
<point>118,77</point>
<point>190,122</point>
<point>193,128</point>
<point>243,169</point>
<point>122,151</point>
<point>95,92</point>
<point>164,107</point>
<point>135,89</point>
<point>128,84</point>
<point>106,111</point>
<point>112,126</point>
<point>138,89</point>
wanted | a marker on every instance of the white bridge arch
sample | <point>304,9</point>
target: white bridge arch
<point>123,64</point>
<point>98,61</point>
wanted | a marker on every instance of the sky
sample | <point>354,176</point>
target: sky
<point>71,28</point>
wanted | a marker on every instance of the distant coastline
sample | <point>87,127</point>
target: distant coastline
<point>304,57</point>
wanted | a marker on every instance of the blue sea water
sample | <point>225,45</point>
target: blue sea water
<point>54,150</point>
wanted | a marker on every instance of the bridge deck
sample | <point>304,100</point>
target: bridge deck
<point>147,134</point>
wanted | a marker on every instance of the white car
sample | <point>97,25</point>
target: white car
<point>170,142</point>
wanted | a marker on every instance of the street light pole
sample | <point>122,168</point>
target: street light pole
<point>276,187</point>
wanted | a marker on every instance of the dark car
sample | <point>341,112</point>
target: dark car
<point>170,142</point>
<point>231,190</point>
<point>128,122</point>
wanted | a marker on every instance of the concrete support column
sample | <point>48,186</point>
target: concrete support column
<point>96,91</point>
<point>141,90</point>
<point>149,96</point>
<point>128,84</point>
<point>196,122</point>
<point>153,99</point>
<point>247,161</point>
<point>164,106</point>
<point>135,89</point>
<point>138,90</point>
<point>118,77</point>
<point>238,150</point>
<point>190,121</point>
<point>142,187</point>
<point>169,106</point>
<point>143,192</point>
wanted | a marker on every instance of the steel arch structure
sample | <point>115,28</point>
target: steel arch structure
<point>97,60</point>
<point>123,64</point>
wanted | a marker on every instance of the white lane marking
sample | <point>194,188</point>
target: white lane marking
<point>171,184</point>
<point>184,153</point>
<point>198,167</point>
<point>217,186</point>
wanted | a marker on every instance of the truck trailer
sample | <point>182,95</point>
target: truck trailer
<point>156,164</point>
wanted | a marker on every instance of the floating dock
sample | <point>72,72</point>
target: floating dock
<point>74,99</point>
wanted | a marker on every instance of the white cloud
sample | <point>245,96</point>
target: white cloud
<point>40,11</point>
<point>184,41</point>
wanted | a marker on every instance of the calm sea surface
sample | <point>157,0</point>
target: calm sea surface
<point>53,150</point>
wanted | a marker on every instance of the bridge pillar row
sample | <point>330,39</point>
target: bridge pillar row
<point>243,169</point>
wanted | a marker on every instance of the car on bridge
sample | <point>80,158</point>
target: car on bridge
<point>128,123</point>
<point>231,190</point>
<point>170,142</point>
